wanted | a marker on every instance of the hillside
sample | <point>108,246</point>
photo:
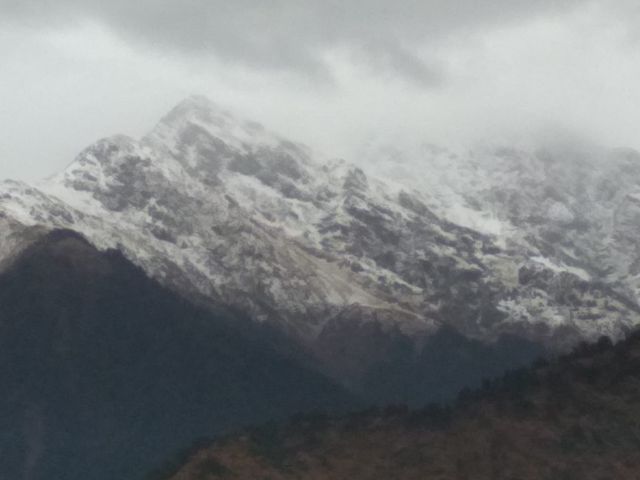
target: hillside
<point>104,373</point>
<point>574,418</point>
<point>223,210</point>
<point>358,271</point>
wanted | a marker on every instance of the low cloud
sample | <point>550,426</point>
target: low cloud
<point>333,74</point>
<point>292,35</point>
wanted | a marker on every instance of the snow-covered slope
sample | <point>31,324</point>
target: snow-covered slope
<point>578,206</point>
<point>224,211</point>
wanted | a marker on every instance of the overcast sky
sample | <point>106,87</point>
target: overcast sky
<point>333,74</point>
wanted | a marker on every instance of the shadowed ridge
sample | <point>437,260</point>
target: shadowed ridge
<point>104,373</point>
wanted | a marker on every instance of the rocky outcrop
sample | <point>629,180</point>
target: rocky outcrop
<point>221,210</point>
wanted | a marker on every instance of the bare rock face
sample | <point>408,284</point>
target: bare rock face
<point>222,210</point>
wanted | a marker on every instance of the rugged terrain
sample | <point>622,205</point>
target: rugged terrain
<point>212,274</point>
<point>573,418</point>
<point>574,203</point>
<point>348,266</point>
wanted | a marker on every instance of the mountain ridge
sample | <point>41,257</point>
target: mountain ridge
<point>224,212</point>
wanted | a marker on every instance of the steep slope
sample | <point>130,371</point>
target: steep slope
<point>358,272</point>
<point>220,209</point>
<point>574,205</point>
<point>575,418</point>
<point>104,373</point>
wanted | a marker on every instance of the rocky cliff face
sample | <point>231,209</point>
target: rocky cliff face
<point>222,210</point>
<point>575,206</point>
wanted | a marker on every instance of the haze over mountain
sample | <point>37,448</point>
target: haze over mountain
<point>359,269</point>
<point>332,74</point>
<point>366,205</point>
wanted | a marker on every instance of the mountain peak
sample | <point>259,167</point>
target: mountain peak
<point>197,106</point>
<point>217,206</point>
<point>197,115</point>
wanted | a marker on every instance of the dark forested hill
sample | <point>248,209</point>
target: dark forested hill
<point>104,373</point>
<point>576,418</point>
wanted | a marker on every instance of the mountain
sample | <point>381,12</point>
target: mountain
<point>353,268</point>
<point>573,418</point>
<point>104,373</point>
<point>575,205</point>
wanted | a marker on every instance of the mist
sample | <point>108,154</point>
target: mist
<point>331,75</point>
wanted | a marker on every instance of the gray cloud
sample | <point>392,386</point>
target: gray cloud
<point>331,74</point>
<point>392,58</point>
<point>292,35</point>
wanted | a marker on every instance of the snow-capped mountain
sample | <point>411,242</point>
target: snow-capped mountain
<point>578,206</point>
<point>223,210</point>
